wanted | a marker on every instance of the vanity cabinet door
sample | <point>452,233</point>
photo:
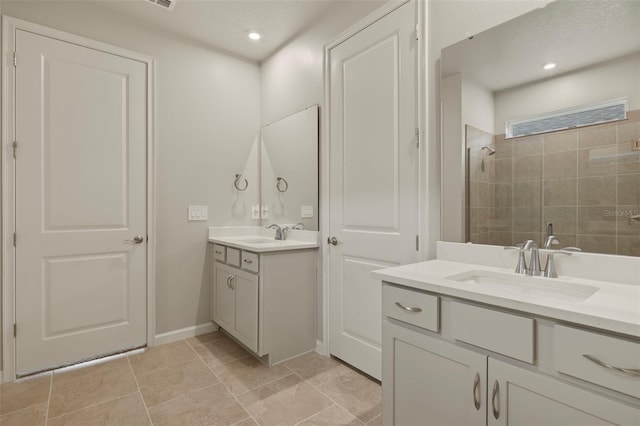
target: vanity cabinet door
<point>522,397</point>
<point>246,309</point>
<point>427,381</point>
<point>224,297</point>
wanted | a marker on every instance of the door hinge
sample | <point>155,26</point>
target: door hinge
<point>417,242</point>
<point>15,238</point>
<point>417,137</point>
<point>418,32</point>
<point>14,145</point>
<point>15,329</point>
<point>15,59</point>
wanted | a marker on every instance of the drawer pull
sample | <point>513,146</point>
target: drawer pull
<point>408,308</point>
<point>218,252</point>
<point>248,261</point>
<point>476,391</point>
<point>628,371</point>
<point>494,396</point>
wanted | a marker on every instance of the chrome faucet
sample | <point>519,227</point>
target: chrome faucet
<point>280,232</point>
<point>550,267</point>
<point>534,260</point>
<point>298,225</point>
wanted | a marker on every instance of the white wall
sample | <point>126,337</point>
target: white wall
<point>477,105</point>
<point>450,21</point>
<point>598,83</point>
<point>208,115</point>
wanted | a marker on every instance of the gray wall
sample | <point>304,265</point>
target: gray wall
<point>208,113</point>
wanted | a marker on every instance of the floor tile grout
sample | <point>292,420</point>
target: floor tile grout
<point>314,414</point>
<point>46,417</point>
<point>333,400</point>
<point>144,404</point>
<point>92,405</point>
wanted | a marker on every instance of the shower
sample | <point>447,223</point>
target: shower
<point>489,149</point>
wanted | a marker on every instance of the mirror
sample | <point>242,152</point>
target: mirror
<point>289,170</point>
<point>581,178</point>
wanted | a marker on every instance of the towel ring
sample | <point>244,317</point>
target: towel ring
<point>279,181</point>
<point>235,183</point>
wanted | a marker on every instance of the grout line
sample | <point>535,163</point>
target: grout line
<point>135,379</point>
<point>46,417</point>
<point>95,405</point>
<point>291,373</point>
<point>333,400</point>
<point>313,415</point>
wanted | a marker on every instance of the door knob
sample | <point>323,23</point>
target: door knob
<point>138,239</point>
<point>333,241</point>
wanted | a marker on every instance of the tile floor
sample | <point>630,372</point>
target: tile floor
<point>204,380</point>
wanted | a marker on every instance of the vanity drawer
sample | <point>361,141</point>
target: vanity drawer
<point>219,252</point>
<point>233,256</point>
<point>500,332</point>
<point>250,261</point>
<point>571,344</point>
<point>411,306</point>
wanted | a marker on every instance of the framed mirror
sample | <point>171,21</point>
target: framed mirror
<point>541,129</point>
<point>289,170</point>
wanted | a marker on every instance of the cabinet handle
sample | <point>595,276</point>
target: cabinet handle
<point>494,395</point>
<point>231,286</point>
<point>408,308</point>
<point>476,391</point>
<point>228,279</point>
<point>628,371</point>
<point>248,261</point>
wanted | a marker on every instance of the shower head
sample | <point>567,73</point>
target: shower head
<point>489,149</point>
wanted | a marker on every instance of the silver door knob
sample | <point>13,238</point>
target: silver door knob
<point>138,239</point>
<point>333,241</point>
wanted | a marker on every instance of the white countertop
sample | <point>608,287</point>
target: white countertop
<point>613,307</point>
<point>260,240</point>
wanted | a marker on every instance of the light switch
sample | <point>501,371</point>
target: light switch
<point>306,211</point>
<point>264,214</point>
<point>255,211</point>
<point>197,213</point>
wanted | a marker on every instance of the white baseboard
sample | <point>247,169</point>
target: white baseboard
<point>321,348</point>
<point>185,333</point>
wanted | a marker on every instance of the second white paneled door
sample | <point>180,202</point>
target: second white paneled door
<point>373,187</point>
<point>81,127</point>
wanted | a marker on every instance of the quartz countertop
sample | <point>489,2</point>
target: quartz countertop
<point>614,307</point>
<point>260,240</point>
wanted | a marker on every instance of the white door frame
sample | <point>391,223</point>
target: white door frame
<point>387,8</point>
<point>10,26</point>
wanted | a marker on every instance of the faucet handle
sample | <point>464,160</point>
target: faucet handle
<point>570,249</point>
<point>550,268</point>
<point>521,267</point>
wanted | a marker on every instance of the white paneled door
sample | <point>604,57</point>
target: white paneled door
<point>81,128</point>
<point>373,187</point>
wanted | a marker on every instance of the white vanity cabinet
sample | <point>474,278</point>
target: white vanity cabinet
<point>266,301</point>
<point>485,365</point>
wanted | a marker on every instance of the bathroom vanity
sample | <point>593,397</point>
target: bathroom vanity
<point>263,291</point>
<point>466,341</point>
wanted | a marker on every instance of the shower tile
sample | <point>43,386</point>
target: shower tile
<point>628,159</point>
<point>503,219</point>
<point>596,220</point>
<point>597,243</point>
<point>597,191</point>
<point>502,238</point>
<point>503,147</point>
<point>526,146</point>
<point>600,135</point>
<point>527,219</point>
<point>503,194</point>
<point>567,240</point>
<point>519,237</point>
<point>629,189</point>
<point>627,226</point>
<point>600,161</point>
<point>628,131</point>
<point>527,168</point>
<point>527,194</point>
<point>563,219</point>
<point>560,141</point>
<point>560,192</point>
<point>503,172</point>
<point>629,246</point>
<point>559,165</point>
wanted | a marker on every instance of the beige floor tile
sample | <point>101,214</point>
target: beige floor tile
<point>287,401</point>
<point>35,415</point>
<point>167,383</point>
<point>316,369</point>
<point>80,370</point>
<point>377,421</point>
<point>247,422</point>
<point>210,406</point>
<point>361,396</point>
<point>204,338</point>
<point>90,389</point>
<point>125,411</point>
<point>248,373</point>
<point>332,416</point>
<point>161,357</point>
<point>24,393</point>
<point>220,351</point>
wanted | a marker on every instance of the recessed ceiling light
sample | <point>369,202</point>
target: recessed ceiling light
<point>254,35</point>
<point>549,66</point>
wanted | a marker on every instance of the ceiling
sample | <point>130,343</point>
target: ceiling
<point>223,24</point>
<point>575,34</point>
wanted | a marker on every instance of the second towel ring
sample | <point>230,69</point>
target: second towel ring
<point>235,183</point>
<point>280,180</point>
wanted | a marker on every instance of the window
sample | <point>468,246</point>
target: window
<point>603,112</point>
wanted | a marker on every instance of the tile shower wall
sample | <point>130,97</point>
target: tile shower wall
<point>586,182</point>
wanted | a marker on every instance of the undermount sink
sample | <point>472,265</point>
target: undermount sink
<point>526,286</point>
<point>259,240</point>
